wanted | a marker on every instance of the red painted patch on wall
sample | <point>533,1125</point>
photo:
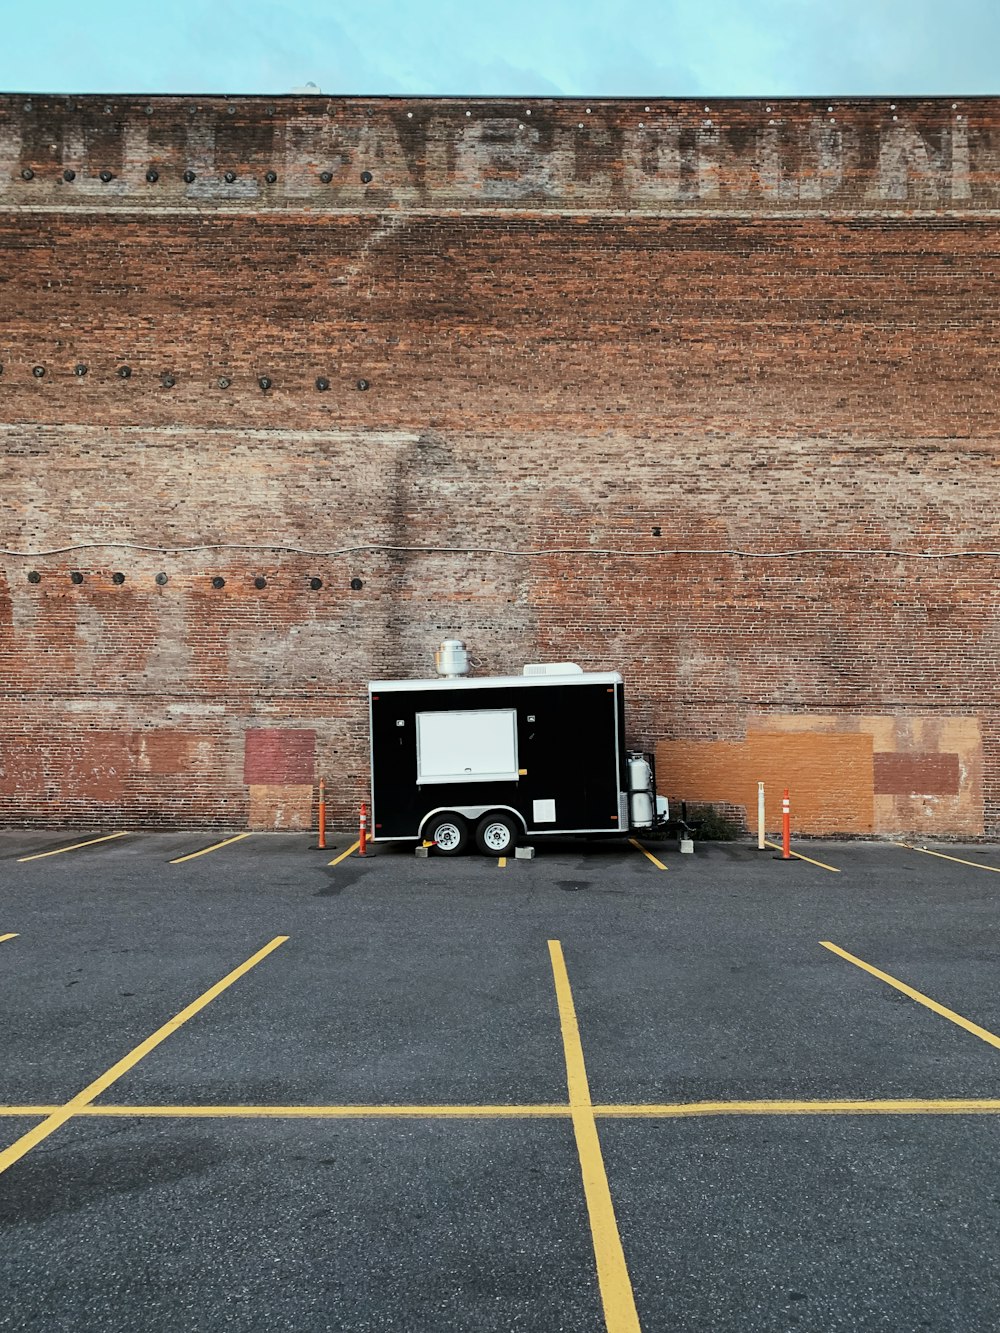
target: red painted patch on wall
<point>920,774</point>
<point>274,756</point>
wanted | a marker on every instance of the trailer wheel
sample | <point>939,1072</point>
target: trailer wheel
<point>449,832</point>
<point>496,834</point>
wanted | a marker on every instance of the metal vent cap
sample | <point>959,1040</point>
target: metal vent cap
<point>452,658</point>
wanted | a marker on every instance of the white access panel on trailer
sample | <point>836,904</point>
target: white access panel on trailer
<point>469,745</point>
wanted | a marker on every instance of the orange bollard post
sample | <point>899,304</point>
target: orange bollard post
<point>786,828</point>
<point>363,831</point>
<point>321,843</point>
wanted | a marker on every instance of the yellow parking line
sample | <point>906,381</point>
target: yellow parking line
<point>950,1014</point>
<point>842,1106</point>
<point>454,1112</point>
<point>93,1090</point>
<point>957,859</point>
<point>177,860</point>
<point>620,1314</point>
<point>344,855</point>
<point>38,856</point>
<point>501,862</point>
<point>799,857</point>
<point>659,864</point>
<point>611,1111</point>
<point>8,937</point>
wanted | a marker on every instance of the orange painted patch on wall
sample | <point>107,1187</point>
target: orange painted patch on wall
<point>280,806</point>
<point>829,777</point>
<point>927,769</point>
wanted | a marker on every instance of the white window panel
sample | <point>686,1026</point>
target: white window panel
<point>474,745</point>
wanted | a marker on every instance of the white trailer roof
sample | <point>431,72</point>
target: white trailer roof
<point>496,682</point>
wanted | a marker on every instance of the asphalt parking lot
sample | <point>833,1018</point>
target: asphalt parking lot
<point>608,1088</point>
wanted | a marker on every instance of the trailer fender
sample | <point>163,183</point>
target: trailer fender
<point>472,813</point>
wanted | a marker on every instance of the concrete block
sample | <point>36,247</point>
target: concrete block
<point>524,853</point>
<point>687,845</point>
<point>421,851</point>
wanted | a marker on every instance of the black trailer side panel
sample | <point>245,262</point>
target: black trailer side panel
<point>571,751</point>
<point>570,757</point>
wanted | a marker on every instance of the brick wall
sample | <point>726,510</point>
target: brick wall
<point>662,348</point>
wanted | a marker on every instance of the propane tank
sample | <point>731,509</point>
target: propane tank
<point>640,775</point>
<point>641,809</point>
<point>640,785</point>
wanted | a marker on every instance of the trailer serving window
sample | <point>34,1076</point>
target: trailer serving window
<point>476,745</point>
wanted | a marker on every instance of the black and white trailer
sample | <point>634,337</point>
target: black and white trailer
<point>502,759</point>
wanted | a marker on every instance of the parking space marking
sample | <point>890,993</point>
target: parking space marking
<point>93,1090</point>
<point>839,1106</point>
<point>799,857</point>
<point>8,937</point>
<point>978,865</point>
<point>540,1111</point>
<point>179,860</point>
<point>91,842</point>
<point>620,1314</point>
<point>925,1000</point>
<point>659,864</point>
<point>502,862</point>
<point>344,855</point>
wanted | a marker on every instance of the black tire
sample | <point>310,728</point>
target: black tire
<point>449,832</point>
<point>496,834</point>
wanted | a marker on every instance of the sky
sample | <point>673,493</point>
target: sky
<point>576,48</point>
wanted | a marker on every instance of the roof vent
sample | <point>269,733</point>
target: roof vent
<point>552,669</point>
<point>451,659</point>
